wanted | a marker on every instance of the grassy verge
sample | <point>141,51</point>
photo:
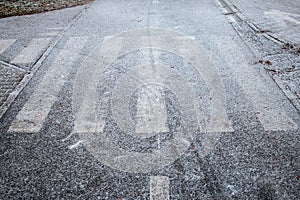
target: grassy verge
<point>23,7</point>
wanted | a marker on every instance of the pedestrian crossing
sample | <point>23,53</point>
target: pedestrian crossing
<point>32,51</point>
<point>85,111</point>
<point>4,44</point>
<point>256,87</point>
<point>33,114</point>
<point>28,54</point>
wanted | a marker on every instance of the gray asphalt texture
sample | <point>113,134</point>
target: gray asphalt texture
<point>248,163</point>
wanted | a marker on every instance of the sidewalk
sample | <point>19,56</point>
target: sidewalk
<point>280,20</point>
<point>273,32</point>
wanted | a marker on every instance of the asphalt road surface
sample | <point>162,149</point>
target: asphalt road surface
<point>143,100</point>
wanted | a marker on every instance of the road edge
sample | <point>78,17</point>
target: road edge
<point>235,16</point>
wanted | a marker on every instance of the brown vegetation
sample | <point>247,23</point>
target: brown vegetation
<point>23,7</point>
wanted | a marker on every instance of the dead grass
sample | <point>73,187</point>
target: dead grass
<point>23,7</point>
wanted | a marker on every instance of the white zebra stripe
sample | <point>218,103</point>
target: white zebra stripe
<point>159,188</point>
<point>266,101</point>
<point>84,103</point>
<point>151,115</point>
<point>32,116</point>
<point>151,112</point>
<point>31,52</point>
<point>4,44</point>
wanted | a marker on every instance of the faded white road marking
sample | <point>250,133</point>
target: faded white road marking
<point>158,75</point>
<point>184,46</point>
<point>258,89</point>
<point>219,121</point>
<point>159,188</point>
<point>281,17</point>
<point>84,101</point>
<point>150,56</point>
<point>32,51</point>
<point>151,112</point>
<point>99,144</point>
<point>208,144</point>
<point>31,117</point>
<point>4,44</point>
<point>154,15</point>
<point>121,95</point>
<point>52,32</point>
<point>75,145</point>
<point>56,28</point>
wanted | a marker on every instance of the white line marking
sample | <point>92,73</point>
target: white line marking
<point>50,34</point>
<point>75,145</point>
<point>4,44</point>
<point>219,121</point>
<point>56,28</point>
<point>32,51</point>
<point>121,95</point>
<point>151,112</point>
<point>85,91</point>
<point>208,144</point>
<point>154,20</point>
<point>159,188</point>
<point>185,47</point>
<point>36,109</point>
<point>98,143</point>
<point>151,115</point>
<point>281,17</point>
<point>258,89</point>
